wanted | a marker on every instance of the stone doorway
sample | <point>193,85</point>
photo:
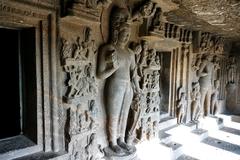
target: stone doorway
<point>165,82</point>
<point>19,112</point>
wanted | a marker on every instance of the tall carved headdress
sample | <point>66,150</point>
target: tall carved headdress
<point>120,19</point>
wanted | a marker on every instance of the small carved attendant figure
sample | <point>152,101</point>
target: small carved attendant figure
<point>118,86</point>
<point>136,108</point>
<point>214,98</point>
<point>196,101</point>
<point>149,128</point>
<point>181,107</point>
<point>231,69</point>
<point>93,148</point>
<point>66,49</point>
<point>142,130</point>
<point>152,58</point>
<point>78,53</point>
<point>155,129</point>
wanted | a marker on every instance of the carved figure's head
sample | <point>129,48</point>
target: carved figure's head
<point>120,29</point>
<point>144,45</point>
<point>147,8</point>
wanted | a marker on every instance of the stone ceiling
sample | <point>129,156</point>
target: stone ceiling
<point>221,17</point>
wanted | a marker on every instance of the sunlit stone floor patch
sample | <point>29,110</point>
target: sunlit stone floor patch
<point>222,145</point>
<point>231,130</point>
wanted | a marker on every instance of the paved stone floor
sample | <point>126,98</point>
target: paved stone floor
<point>197,144</point>
<point>10,143</point>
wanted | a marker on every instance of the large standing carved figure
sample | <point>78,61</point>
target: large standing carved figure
<point>116,62</point>
<point>205,80</point>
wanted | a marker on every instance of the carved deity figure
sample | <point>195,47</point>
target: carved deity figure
<point>215,98</point>
<point>89,45</point>
<point>196,101</point>
<point>181,107</point>
<point>66,49</point>
<point>231,69</point>
<point>205,72</point>
<point>152,58</point>
<point>116,62</point>
<point>145,11</point>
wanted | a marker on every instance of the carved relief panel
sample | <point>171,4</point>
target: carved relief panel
<point>77,61</point>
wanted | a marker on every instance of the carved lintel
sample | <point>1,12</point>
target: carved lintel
<point>89,9</point>
<point>4,7</point>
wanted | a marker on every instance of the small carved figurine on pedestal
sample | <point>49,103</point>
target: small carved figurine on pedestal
<point>181,106</point>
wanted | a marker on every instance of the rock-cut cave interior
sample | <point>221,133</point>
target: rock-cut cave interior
<point>120,80</point>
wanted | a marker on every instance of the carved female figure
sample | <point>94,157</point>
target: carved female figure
<point>181,107</point>
<point>196,101</point>
<point>214,98</point>
<point>231,68</point>
<point>116,63</point>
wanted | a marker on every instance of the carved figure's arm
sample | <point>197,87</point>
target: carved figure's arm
<point>200,72</point>
<point>105,69</point>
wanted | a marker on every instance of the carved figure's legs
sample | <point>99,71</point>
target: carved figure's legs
<point>193,111</point>
<point>207,102</point>
<point>203,92</point>
<point>214,106</point>
<point>127,100</point>
<point>115,96</point>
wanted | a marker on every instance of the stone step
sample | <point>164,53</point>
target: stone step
<point>175,149</point>
<point>211,123</point>
<point>45,156</point>
<point>230,120</point>
<point>167,122</point>
<point>165,137</point>
<point>235,118</point>
<point>199,134</point>
<point>164,115</point>
<point>186,157</point>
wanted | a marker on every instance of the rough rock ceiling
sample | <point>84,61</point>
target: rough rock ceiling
<point>218,16</point>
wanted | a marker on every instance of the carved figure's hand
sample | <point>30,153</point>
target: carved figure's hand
<point>114,60</point>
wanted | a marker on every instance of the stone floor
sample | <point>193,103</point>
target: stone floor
<point>219,138</point>
<point>10,143</point>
